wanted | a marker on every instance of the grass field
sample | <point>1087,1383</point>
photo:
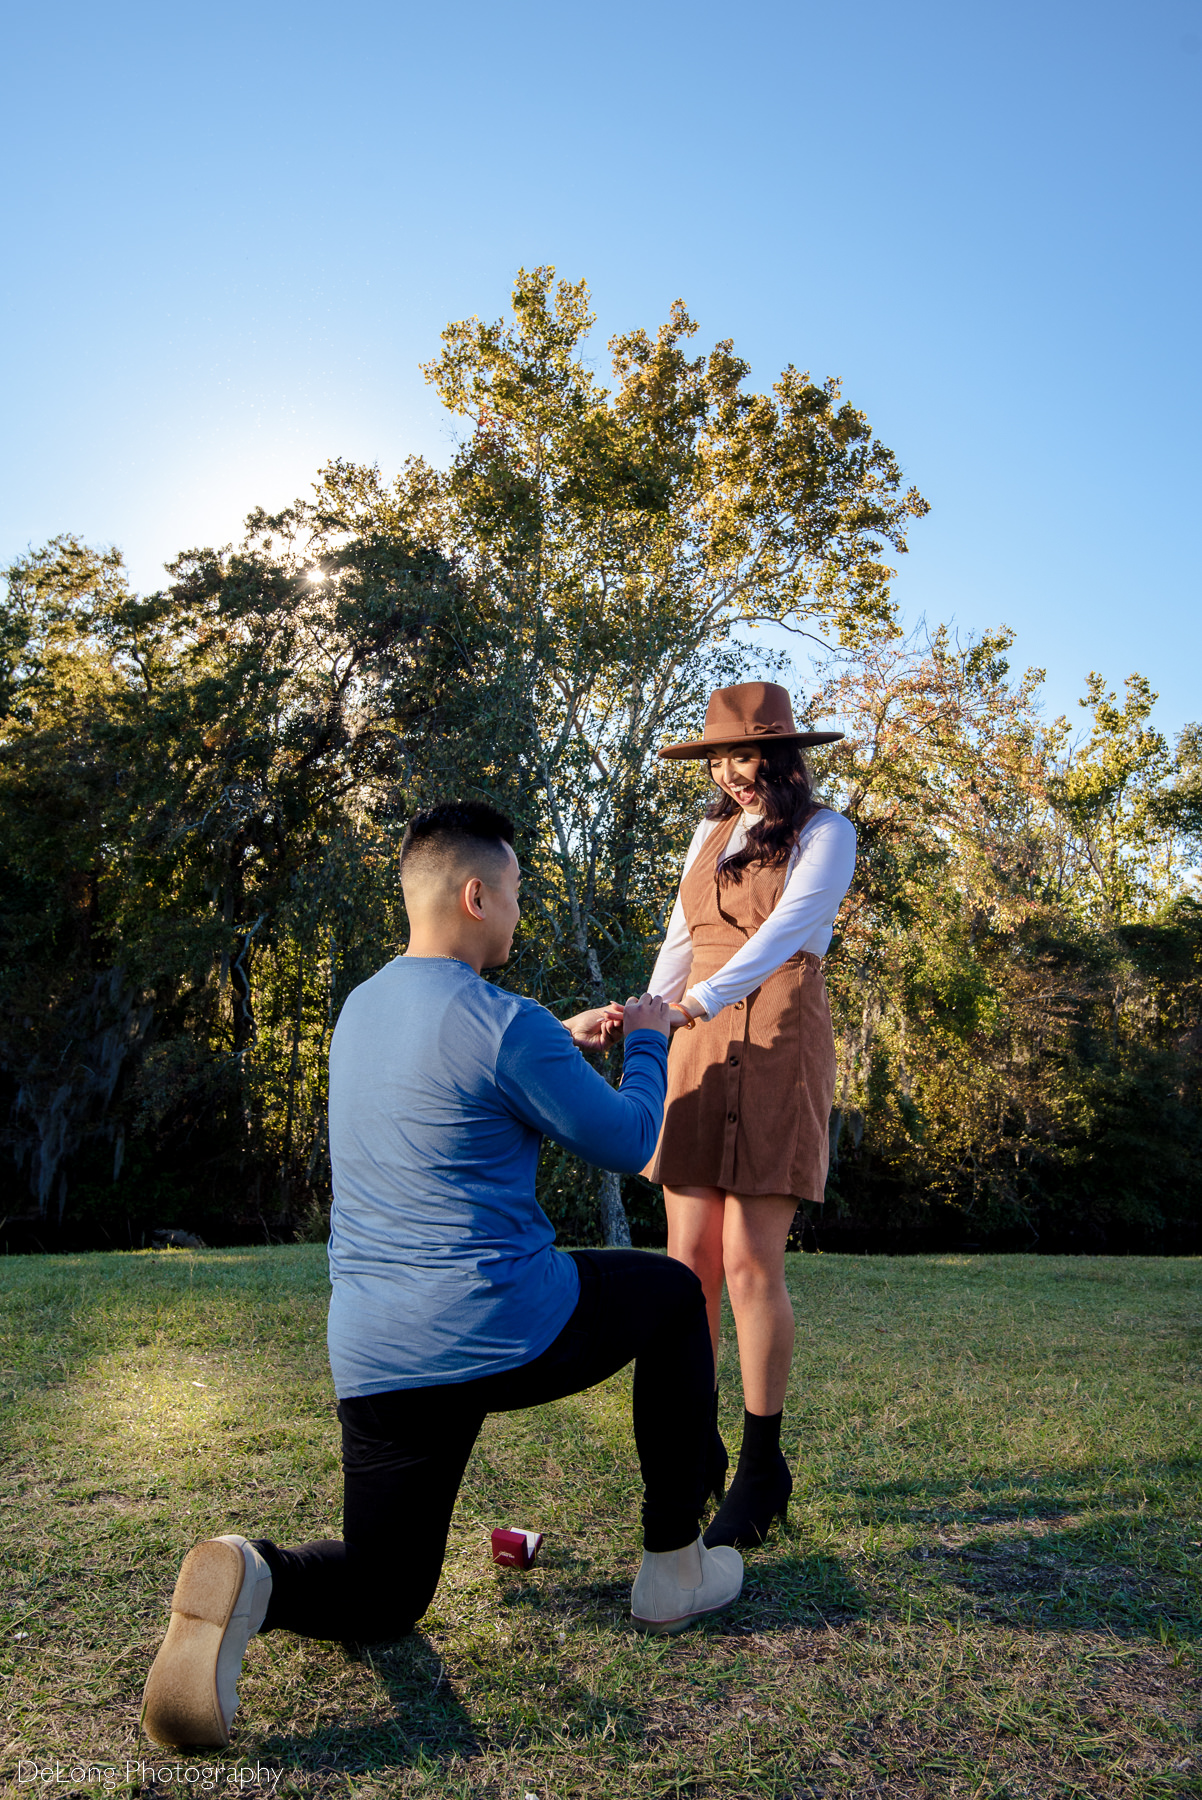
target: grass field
<point>990,1585</point>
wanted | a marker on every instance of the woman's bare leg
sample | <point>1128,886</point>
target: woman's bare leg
<point>755,1230</point>
<point>695,1238</point>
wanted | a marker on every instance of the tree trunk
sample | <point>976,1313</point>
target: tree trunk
<point>293,1071</point>
<point>245,1027</point>
<point>614,1222</point>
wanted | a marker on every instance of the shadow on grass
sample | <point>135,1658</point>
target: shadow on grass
<point>1098,1576</point>
<point>1025,1492</point>
<point>429,1726</point>
<point>1092,1577</point>
<point>1096,1548</point>
<point>795,1591</point>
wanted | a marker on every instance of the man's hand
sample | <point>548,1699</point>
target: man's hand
<point>595,1029</point>
<point>648,1013</point>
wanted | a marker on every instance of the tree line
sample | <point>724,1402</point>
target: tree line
<point>202,793</point>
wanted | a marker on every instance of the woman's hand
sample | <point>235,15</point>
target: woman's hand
<point>597,1028</point>
<point>685,1013</point>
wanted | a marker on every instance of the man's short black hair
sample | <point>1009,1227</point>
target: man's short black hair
<point>439,838</point>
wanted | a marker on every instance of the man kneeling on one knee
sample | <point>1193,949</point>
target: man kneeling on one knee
<point>449,1299</point>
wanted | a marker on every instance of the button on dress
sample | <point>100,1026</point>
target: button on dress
<point>750,1091</point>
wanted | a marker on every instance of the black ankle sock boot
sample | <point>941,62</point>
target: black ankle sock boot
<point>760,1490</point>
<point>761,1438</point>
<point>719,1462</point>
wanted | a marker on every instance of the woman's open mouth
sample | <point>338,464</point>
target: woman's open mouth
<point>743,796</point>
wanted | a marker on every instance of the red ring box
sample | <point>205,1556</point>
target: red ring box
<point>516,1549</point>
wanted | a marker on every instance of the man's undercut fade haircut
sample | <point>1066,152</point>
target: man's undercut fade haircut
<point>459,837</point>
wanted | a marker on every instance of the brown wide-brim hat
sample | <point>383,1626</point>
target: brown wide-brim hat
<point>753,713</point>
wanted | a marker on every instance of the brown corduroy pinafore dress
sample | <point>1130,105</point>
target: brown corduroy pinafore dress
<point>750,1092</point>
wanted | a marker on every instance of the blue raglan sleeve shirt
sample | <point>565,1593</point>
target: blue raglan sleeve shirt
<point>548,1084</point>
<point>442,1086</point>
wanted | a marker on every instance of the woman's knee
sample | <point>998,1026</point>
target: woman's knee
<point>752,1281</point>
<point>694,1228</point>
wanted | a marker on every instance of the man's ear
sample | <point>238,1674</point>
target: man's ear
<point>472,897</point>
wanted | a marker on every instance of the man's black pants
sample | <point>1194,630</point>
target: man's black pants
<point>404,1452</point>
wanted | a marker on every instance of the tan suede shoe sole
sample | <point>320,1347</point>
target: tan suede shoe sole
<point>180,1705</point>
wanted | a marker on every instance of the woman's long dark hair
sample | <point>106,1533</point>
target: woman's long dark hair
<point>786,788</point>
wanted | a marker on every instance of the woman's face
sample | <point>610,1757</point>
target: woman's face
<point>735,772</point>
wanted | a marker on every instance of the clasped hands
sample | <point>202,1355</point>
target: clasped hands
<point>602,1026</point>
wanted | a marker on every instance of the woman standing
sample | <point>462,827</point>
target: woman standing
<point>751,1077</point>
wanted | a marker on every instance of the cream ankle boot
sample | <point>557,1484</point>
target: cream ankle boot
<point>675,1588</point>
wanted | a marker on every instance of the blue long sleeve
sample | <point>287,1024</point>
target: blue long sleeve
<point>549,1085</point>
<point>442,1087</point>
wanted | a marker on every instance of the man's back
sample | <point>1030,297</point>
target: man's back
<point>441,1088</point>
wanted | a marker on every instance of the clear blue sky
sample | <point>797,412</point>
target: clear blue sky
<point>233,231</point>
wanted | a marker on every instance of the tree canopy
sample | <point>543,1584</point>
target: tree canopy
<point>202,792</point>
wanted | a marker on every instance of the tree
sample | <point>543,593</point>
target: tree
<point>68,1016</point>
<point>606,542</point>
<point>943,772</point>
<point>202,793</point>
<point>1129,824</point>
<point>1011,1051</point>
<point>200,781</point>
